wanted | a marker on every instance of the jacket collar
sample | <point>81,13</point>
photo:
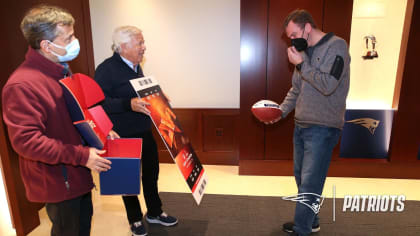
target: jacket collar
<point>36,60</point>
<point>117,57</point>
<point>310,50</point>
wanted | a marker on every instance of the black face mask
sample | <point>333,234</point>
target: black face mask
<point>300,44</point>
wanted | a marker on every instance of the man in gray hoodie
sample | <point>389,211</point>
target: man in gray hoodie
<point>320,84</point>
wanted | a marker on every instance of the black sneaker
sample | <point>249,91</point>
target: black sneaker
<point>163,219</point>
<point>288,228</point>
<point>137,228</point>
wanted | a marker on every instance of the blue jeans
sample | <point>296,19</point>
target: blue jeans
<point>313,148</point>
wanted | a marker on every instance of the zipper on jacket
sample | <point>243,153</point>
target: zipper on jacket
<point>66,181</point>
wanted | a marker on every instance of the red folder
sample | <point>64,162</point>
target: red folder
<point>81,94</point>
<point>123,147</point>
<point>95,127</point>
<point>84,90</point>
<point>101,120</point>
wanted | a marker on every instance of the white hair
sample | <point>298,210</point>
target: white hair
<point>122,35</point>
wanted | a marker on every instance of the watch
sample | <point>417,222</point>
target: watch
<point>299,66</point>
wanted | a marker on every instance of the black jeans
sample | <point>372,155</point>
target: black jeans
<point>149,178</point>
<point>71,217</point>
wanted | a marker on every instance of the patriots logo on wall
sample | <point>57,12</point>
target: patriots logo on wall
<point>368,123</point>
<point>366,134</point>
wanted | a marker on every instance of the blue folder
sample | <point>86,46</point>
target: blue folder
<point>122,178</point>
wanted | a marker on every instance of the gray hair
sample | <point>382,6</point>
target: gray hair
<point>122,35</point>
<point>40,23</point>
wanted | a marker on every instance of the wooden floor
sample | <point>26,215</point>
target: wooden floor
<point>224,180</point>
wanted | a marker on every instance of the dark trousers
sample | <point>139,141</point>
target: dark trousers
<point>149,178</point>
<point>71,217</point>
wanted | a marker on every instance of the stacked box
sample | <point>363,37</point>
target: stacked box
<point>82,95</point>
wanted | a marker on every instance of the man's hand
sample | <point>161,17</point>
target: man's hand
<point>139,105</point>
<point>113,135</point>
<point>96,162</point>
<point>295,57</point>
<point>274,121</point>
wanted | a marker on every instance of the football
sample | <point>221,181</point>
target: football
<point>266,110</point>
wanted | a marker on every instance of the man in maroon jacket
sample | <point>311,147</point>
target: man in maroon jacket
<point>53,162</point>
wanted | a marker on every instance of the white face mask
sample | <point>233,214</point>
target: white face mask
<point>72,50</point>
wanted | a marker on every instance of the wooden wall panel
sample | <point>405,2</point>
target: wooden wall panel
<point>335,12</point>
<point>213,133</point>
<point>363,168</point>
<point>278,137</point>
<point>343,11</point>
<point>25,214</point>
<point>254,17</point>
<point>403,53</point>
<point>405,139</point>
<point>219,133</point>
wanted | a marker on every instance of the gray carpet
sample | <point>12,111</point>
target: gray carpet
<point>247,215</point>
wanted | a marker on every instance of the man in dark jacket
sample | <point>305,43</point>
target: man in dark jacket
<point>130,117</point>
<point>52,158</point>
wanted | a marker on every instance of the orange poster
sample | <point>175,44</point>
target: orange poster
<point>173,136</point>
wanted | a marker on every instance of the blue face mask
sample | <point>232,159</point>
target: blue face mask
<point>72,50</point>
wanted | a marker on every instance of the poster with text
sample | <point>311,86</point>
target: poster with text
<point>167,125</point>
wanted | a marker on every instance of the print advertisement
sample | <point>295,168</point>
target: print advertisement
<point>168,126</point>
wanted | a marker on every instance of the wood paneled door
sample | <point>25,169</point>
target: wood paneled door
<point>266,72</point>
<point>278,141</point>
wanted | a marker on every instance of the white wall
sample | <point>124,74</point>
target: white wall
<point>192,45</point>
<point>372,82</point>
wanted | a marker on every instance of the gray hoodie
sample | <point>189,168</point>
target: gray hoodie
<point>319,89</point>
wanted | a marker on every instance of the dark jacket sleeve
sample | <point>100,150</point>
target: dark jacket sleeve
<point>112,105</point>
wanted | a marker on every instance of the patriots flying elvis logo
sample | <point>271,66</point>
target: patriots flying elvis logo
<point>311,200</point>
<point>368,123</point>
